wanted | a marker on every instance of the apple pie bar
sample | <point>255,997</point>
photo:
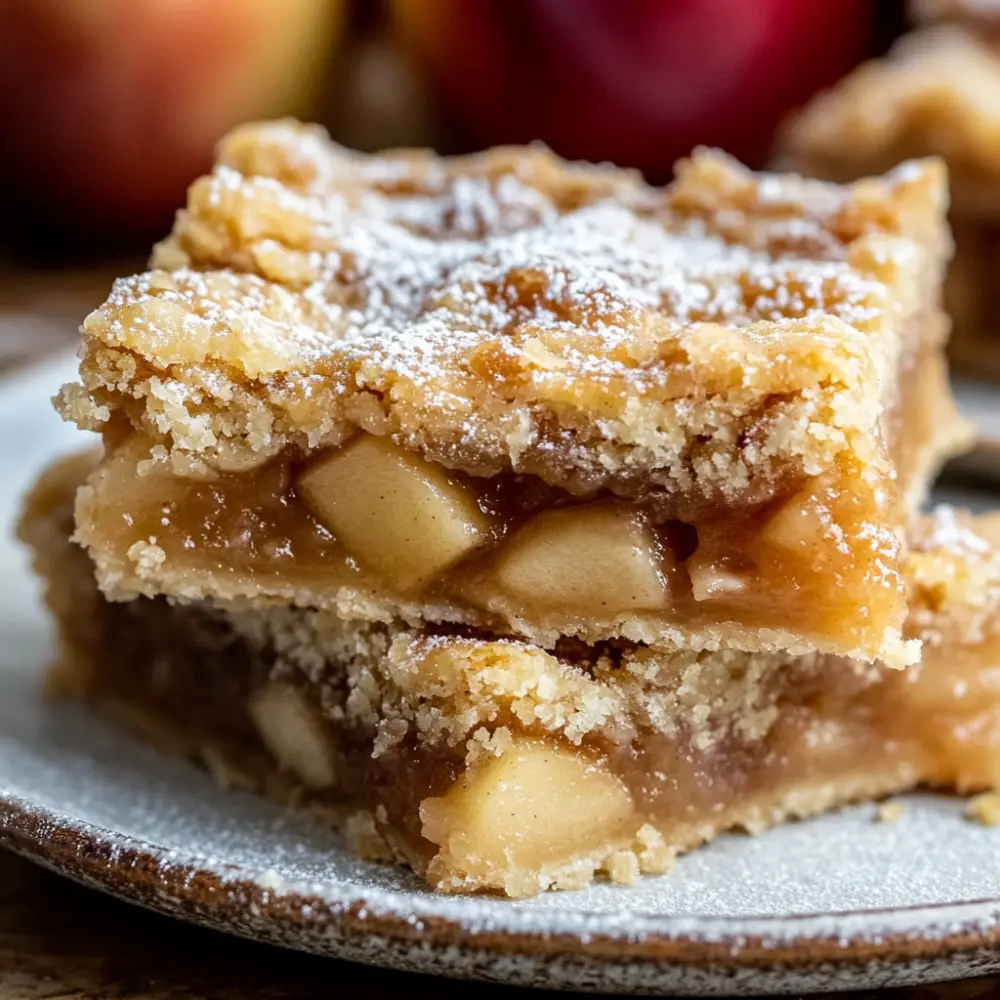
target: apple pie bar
<point>491,764</point>
<point>937,92</point>
<point>511,394</point>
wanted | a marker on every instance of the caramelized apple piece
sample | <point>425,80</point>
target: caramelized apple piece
<point>397,513</point>
<point>711,580</point>
<point>596,560</point>
<point>533,806</point>
<point>294,733</point>
<point>798,526</point>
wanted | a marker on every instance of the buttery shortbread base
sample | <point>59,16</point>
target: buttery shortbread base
<point>492,765</point>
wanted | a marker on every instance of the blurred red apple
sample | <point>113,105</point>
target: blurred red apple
<point>109,108</point>
<point>639,82</point>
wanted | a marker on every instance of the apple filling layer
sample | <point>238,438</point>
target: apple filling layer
<point>374,531</point>
<point>371,525</point>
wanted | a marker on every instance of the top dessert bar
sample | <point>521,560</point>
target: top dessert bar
<point>524,395</point>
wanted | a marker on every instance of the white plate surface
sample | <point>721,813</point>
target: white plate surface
<point>835,903</point>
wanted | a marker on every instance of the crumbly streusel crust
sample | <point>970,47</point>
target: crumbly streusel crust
<point>953,577</point>
<point>513,311</point>
<point>937,92</point>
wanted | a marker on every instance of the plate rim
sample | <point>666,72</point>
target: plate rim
<point>134,870</point>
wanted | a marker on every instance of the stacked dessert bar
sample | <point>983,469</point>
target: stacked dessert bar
<point>529,522</point>
<point>935,93</point>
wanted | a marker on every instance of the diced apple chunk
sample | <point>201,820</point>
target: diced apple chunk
<point>596,560</point>
<point>713,580</point>
<point>799,525</point>
<point>534,806</point>
<point>398,514</point>
<point>294,733</point>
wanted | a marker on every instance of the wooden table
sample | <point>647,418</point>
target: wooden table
<point>59,941</point>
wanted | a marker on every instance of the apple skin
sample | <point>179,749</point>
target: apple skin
<point>109,108</point>
<point>637,82</point>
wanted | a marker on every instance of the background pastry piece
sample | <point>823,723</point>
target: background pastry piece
<point>934,94</point>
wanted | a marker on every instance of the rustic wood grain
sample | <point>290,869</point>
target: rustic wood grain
<point>59,940</point>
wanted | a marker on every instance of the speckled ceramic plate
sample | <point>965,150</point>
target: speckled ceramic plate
<point>836,903</point>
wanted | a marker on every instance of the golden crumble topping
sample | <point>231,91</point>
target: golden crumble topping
<point>953,576</point>
<point>512,311</point>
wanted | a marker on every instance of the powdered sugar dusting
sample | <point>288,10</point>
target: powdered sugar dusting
<point>948,532</point>
<point>411,278</point>
<point>511,310</point>
<point>409,291</point>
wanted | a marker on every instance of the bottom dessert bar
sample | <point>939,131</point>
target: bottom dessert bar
<point>492,765</point>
